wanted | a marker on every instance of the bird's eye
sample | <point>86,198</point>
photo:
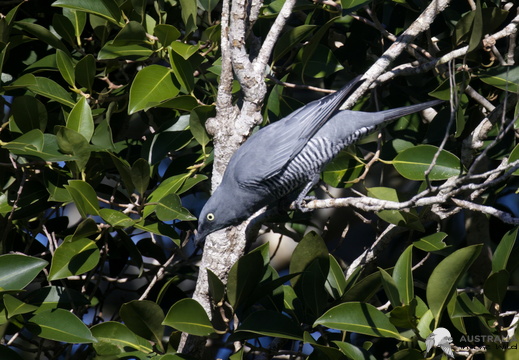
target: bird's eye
<point>210,216</point>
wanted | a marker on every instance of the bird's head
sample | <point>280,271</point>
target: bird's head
<point>223,209</point>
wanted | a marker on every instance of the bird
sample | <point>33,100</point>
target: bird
<point>284,159</point>
<point>441,338</point>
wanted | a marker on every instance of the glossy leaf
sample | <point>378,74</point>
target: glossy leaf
<point>85,72</point>
<point>133,52</point>
<point>132,33</point>
<point>140,173</point>
<point>433,242</point>
<point>66,67</point>
<point>144,318</point>
<point>291,40</point>
<point>116,218</point>
<point>72,142</point>
<point>114,338</point>
<point>170,208</point>
<point>189,14</point>
<point>16,307</point>
<point>412,163</point>
<point>166,34</point>
<point>188,316</point>
<point>107,9</point>
<point>44,87</point>
<point>496,285</point>
<point>197,119</point>
<point>73,258</point>
<point>80,119</point>
<point>84,197</point>
<point>354,352</point>
<point>403,276</point>
<point>342,169</point>
<point>408,219</point>
<point>61,325</point>
<point>245,275</point>
<point>335,282</point>
<point>361,318</point>
<point>63,26</point>
<point>310,248</point>
<point>390,288</point>
<point>78,20</point>
<point>152,86</point>
<point>502,77</point>
<point>42,34</point>
<point>504,250</point>
<point>183,72</point>
<point>52,297</point>
<point>17,271</point>
<point>28,114</point>
<point>442,282</point>
<point>271,323</point>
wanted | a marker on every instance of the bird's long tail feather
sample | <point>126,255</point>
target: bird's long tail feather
<point>406,110</point>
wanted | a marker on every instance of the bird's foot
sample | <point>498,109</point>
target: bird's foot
<point>300,204</point>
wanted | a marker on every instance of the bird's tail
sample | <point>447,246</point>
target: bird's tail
<point>406,110</point>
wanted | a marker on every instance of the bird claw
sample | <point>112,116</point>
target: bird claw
<point>300,204</point>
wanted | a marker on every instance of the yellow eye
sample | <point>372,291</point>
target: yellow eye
<point>210,216</point>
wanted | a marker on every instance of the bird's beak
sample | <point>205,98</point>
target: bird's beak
<point>199,238</point>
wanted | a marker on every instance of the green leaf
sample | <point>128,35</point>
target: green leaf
<point>140,173</point>
<point>504,250</point>
<point>341,169</point>
<point>169,186</point>
<point>78,20</point>
<point>189,13</point>
<point>271,323</point>
<point>361,318</point>
<point>131,33</point>
<point>113,338</point>
<point>66,67</point>
<point>245,275</point>
<point>216,287</point>
<point>476,33</point>
<point>107,9</point>
<point>208,5</point>
<point>442,282</point>
<point>390,288</point>
<point>502,77</point>
<point>433,242</point>
<point>413,162</point>
<point>170,208</point>
<point>335,282</point>
<point>322,63</point>
<point>28,114</point>
<point>152,86</point>
<point>354,352</point>
<point>61,325</point>
<point>16,307</point>
<point>64,28</point>
<point>44,87</point>
<point>42,33</point>
<point>403,276</point>
<point>183,49</point>
<point>17,271</point>
<point>116,218</point>
<point>144,318</point>
<point>134,52</point>
<point>183,72</point>
<point>52,297</point>
<point>72,142</point>
<point>80,119</point>
<point>310,248</point>
<point>408,219</point>
<point>188,316</point>
<point>496,285</point>
<point>197,119</point>
<point>291,40</point>
<point>85,71</point>
<point>84,197</point>
<point>74,258</point>
<point>352,4</point>
<point>166,34</point>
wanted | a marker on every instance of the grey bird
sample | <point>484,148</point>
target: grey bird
<point>441,338</point>
<point>287,157</point>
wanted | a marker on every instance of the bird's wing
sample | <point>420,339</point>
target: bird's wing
<point>446,348</point>
<point>429,343</point>
<point>267,152</point>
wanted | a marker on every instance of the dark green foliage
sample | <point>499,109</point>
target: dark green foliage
<point>103,148</point>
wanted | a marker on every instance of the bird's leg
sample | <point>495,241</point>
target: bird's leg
<point>302,198</point>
